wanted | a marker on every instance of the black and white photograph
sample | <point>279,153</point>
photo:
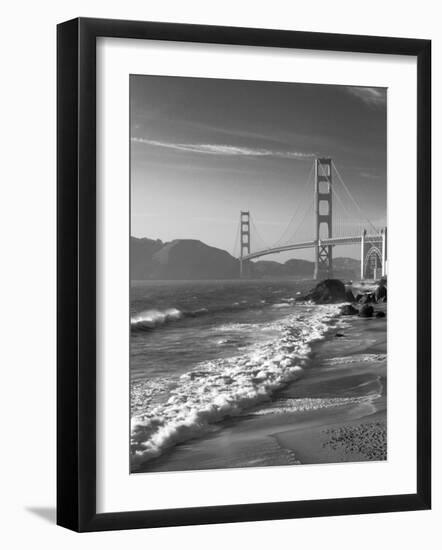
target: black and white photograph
<point>220,237</point>
<point>258,273</point>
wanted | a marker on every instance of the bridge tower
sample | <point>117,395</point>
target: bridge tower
<point>244,265</point>
<point>323,215</point>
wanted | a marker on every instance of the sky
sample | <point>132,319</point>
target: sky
<point>204,149</point>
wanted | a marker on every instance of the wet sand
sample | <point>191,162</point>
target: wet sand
<point>355,366</point>
<point>335,413</point>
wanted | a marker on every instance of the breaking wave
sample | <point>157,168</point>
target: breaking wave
<point>154,317</point>
<point>223,388</point>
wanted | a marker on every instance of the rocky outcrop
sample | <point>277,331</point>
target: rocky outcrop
<point>366,311</point>
<point>348,309</point>
<point>349,296</point>
<point>366,298</point>
<point>380,293</point>
<point>327,292</point>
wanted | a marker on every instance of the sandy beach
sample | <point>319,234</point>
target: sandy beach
<point>335,413</point>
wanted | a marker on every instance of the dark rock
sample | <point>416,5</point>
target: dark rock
<point>366,298</point>
<point>348,309</point>
<point>366,311</point>
<point>349,296</point>
<point>380,294</point>
<point>380,314</point>
<point>328,291</point>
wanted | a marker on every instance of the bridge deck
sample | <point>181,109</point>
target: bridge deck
<point>311,244</point>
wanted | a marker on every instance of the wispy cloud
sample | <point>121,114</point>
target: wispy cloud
<point>224,150</point>
<point>373,97</point>
<point>369,176</point>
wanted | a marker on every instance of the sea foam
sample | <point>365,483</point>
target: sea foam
<point>215,390</point>
<point>312,404</point>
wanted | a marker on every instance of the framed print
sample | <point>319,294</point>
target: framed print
<point>243,271</point>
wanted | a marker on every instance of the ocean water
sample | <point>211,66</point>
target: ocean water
<point>205,351</point>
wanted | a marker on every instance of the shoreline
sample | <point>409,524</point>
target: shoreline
<point>326,416</point>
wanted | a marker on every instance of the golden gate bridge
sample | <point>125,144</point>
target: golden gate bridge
<point>333,225</point>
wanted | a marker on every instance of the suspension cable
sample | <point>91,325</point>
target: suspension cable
<point>307,211</point>
<point>297,211</point>
<point>335,193</point>
<point>351,197</point>
<point>256,233</point>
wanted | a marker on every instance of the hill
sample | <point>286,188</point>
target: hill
<point>180,259</point>
<point>191,259</point>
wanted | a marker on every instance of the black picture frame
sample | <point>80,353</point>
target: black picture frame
<point>76,273</point>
